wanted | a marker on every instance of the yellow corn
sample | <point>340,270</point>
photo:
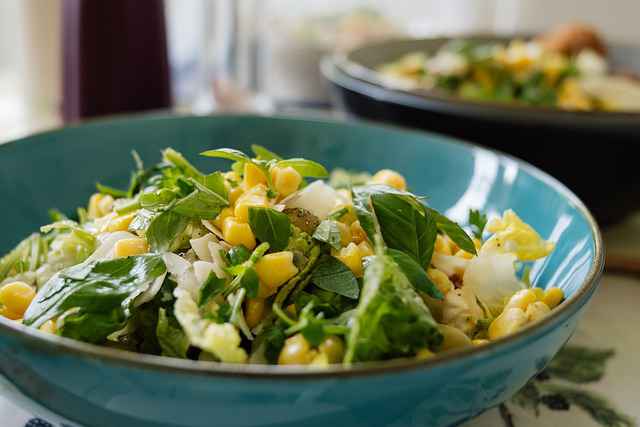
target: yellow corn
<point>440,279</point>
<point>442,245</point>
<point>365,249</point>
<point>537,311</point>
<point>296,351</point>
<point>522,299</point>
<point>234,195</point>
<point>507,323</point>
<point>236,233</point>
<point>424,353</point>
<point>553,297</point>
<point>352,258</point>
<point>345,233</point>
<point>275,269</point>
<point>333,348</point>
<point>253,176</point>
<point>291,309</point>
<point>257,196</point>
<point>285,180</point>
<point>254,311</point>
<point>357,232</point>
<point>130,247</point>
<point>539,293</point>
<point>463,254</point>
<point>479,342</point>
<point>224,214</point>
<point>390,178</point>
<point>120,223</point>
<point>99,205</point>
<point>49,327</point>
<point>15,298</point>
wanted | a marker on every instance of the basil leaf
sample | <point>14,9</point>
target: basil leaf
<point>332,275</point>
<point>264,154</point>
<point>329,232</point>
<point>210,288</point>
<point>306,168</point>
<point>227,153</point>
<point>250,282</point>
<point>99,296</point>
<point>164,229</point>
<point>270,226</point>
<point>171,338</point>
<point>201,203</point>
<point>454,231</point>
<point>105,189</point>
<point>415,273</point>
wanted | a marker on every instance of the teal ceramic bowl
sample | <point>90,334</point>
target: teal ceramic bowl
<point>96,386</point>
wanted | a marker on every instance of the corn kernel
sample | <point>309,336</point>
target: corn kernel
<point>253,176</point>
<point>479,342</point>
<point>507,323</point>
<point>352,258</point>
<point>99,205</point>
<point>285,180</point>
<point>390,178</point>
<point>333,348</point>
<point>15,298</point>
<point>320,359</point>
<point>424,354</point>
<point>453,338</point>
<point>463,254</point>
<point>254,311</point>
<point>522,299</point>
<point>120,223</point>
<point>49,327</point>
<point>442,245</point>
<point>440,279</point>
<point>236,233</point>
<point>348,217</point>
<point>539,293</point>
<point>358,234</point>
<point>275,269</point>
<point>224,214</point>
<point>130,247</point>
<point>257,197</point>
<point>291,309</point>
<point>345,233</point>
<point>553,297</point>
<point>537,311</point>
<point>477,243</point>
<point>296,351</point>
<point>365,249</point>
<point>234,195</point>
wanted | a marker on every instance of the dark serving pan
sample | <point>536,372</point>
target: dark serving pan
<point>596,154</point>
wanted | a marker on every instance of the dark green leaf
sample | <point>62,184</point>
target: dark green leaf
<point>332,275</point>
<point>454,231</point>
<point>164,229</point>
<point>105,189</point>
<point>201,203</point>
<point>101,294</point>
<point>306,168</point>
<point>250,282</point>
<point>477,221</point>
<point>215,183</point>
<point>238,254</point>
<point>329,232</point>
<point>314,332</point>
<point>274,338</point>
<point>263,154</point>
<point>415,273</point>
<point>172,339</point>
<point>227,153</point>
<point>156,199</point>
<point>270,226</point>
<point>210,288</point>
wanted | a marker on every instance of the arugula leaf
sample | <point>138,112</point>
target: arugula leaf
<point>238,254</point>
<point>306,168</point>
<point>250,282</point>
<point>415,273</point>
<point>227,153</point>
<point>329,303</point>
<point>105,189</point>
<point>96,297</point>
<point>155,199</point>
<point>164,229</point>
<point>201,203</point>
<point>210,288</point>
<point>215,182</point>
<point>176,159</point>
<point>329,232</point>
<point>332,275</point>
<point>477,221</point>
<point>171,338</point>
<point>273,338</point>
<point>454,231</point>
<point>270,226</point>
<point>264,154</point>
<point>391,319</point>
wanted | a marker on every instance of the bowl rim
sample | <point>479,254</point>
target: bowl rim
<point>349,67</point>
<point>57,344</point>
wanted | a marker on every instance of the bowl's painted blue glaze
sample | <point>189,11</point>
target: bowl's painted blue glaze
<point>100,387</point>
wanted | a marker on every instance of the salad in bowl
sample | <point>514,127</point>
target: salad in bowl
<point>274,261</point>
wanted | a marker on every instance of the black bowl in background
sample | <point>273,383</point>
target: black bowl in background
<point>595,154</point>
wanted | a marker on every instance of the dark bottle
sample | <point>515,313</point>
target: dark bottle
<point>115,57</point>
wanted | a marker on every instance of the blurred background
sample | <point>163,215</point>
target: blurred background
<point>229,55</point>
